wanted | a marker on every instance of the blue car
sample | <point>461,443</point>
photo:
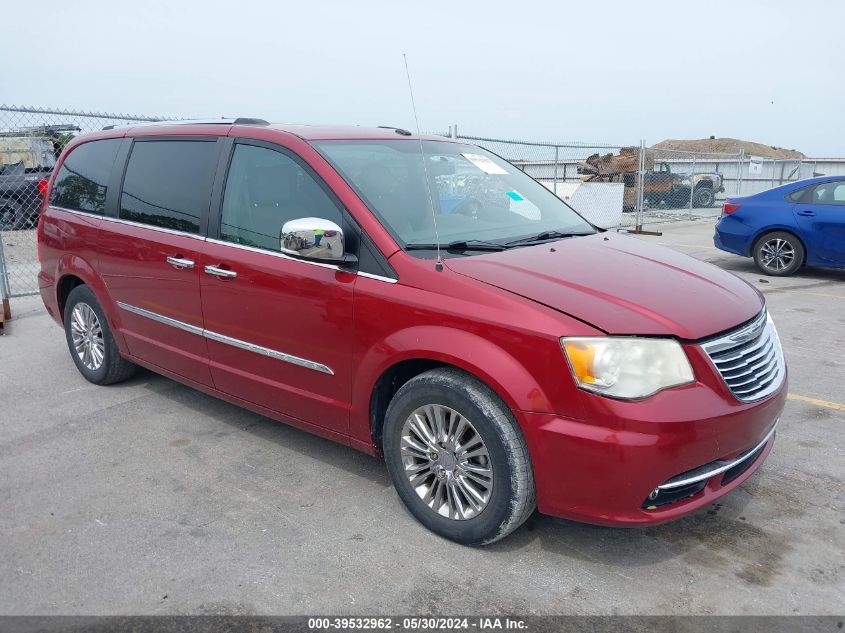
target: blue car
<point>801,223</point>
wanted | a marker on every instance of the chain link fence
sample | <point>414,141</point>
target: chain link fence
<point>567,169</point>
<point>657,185</point>
<point>687,185</point>
<point>615,186</point>
<point>31,140</point>
<point>624,186</point>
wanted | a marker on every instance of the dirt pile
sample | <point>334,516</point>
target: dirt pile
<point>728,146</point>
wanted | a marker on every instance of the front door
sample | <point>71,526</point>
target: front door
<point>821,217</point>
<point>279,330</point>
<point>150,253</point>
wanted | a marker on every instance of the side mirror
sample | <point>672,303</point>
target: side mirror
<point>315,239</point>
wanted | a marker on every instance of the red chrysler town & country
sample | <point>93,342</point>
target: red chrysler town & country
<point>419,298</point>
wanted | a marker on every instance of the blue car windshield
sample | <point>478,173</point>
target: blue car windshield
<point>471,193</point>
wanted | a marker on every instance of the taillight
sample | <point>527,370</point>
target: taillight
<point>43,186</point>
<point>729,207</point>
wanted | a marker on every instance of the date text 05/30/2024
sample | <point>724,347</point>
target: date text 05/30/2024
<point>417,623</point>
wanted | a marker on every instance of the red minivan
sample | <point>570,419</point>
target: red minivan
<point>417,298</point>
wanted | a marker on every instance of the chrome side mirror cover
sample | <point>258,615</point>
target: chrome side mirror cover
<point>314,239</point>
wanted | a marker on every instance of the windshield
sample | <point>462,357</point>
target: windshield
<point>476,195</point>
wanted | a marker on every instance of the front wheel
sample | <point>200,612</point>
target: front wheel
<point>779,253</point>
<point>457,457</point>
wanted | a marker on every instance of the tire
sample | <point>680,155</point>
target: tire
<point>508,494</point>
<point>704,197</point>
<point>778,253</point>
<point>11,214</point>
<point>83,319</point>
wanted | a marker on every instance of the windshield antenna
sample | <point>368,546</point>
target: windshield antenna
<point>439,263</point>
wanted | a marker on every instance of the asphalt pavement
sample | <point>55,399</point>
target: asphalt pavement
<point>149,497</point>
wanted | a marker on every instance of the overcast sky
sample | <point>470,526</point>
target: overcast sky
<point>611,71</point>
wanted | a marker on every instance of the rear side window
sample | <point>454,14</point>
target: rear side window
<point>167,183</point>
<point>81,183</point>
<point>829,193</point>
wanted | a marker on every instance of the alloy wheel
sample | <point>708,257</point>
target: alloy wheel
<point>446,462</point>
<point>777,254</point>
<point>87,336</point>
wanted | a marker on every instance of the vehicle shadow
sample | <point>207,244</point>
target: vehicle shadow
<point>820,276</point>
<point>331,453</point>
<point>718,533</point>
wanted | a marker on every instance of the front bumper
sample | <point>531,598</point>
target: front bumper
<point>602,470</point>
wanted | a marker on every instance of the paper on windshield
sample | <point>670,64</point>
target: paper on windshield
<point>484,164</point>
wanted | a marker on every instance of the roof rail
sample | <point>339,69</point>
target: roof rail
<point>221,121</point>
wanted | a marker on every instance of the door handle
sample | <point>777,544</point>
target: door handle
<point>180,262</point>
<point>221,272</point>
<point>806,213</point>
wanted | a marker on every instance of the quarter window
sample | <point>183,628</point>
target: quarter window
<point>264,189</point>
<point>82,181</point>
<point>167,183</point>
<point>800,195</point>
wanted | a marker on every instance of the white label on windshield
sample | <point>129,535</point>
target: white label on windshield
<point>484,164</point>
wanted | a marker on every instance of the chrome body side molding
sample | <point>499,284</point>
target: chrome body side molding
<point>155,316</point>
<point>228,340</point>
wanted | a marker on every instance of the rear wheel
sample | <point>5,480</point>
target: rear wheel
<point>457,457</point>
<point>90,341</point>
<point>779,253</point>
<point>704,197</point>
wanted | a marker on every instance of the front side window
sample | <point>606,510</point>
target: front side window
<point>469,193</point>
<point>265,189</point>
<point>167,183</point>
<point>82,181</point>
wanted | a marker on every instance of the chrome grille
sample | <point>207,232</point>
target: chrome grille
<point>749,359</point>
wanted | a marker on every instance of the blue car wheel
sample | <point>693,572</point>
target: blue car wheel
<point>778,253</point>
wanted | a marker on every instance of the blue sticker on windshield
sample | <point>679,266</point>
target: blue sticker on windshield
<point>513,195</point>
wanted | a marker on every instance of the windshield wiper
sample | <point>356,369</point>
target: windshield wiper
<point>544,236</point>
<point>459,245</point>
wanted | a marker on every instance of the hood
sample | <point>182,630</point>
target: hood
<point>621,285</point>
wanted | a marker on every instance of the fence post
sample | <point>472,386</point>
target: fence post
<point>691,187</point>
<point>739,171</point>
<point>640,179</point>
<point>557,153</point>
<point>453,129</point>
<point>5,288</point>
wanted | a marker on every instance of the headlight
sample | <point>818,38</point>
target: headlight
<point>626,367</point>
